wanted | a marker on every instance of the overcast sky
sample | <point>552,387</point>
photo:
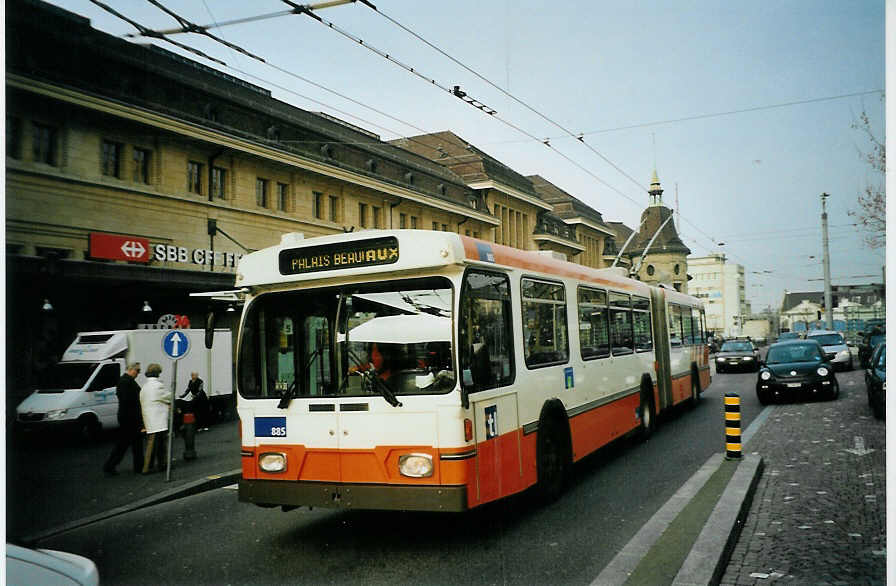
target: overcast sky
<point>750,179</point>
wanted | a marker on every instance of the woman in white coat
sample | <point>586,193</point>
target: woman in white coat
<point>155,402</point>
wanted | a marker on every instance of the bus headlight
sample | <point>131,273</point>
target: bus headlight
<point>272,462</point>
<point>765,375</point>
<point>747,358</point>
<point>415,465</point>
<point>822,371</point>
<point>56,413</point>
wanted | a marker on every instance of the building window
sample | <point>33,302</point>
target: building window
<point>377,217</point>
<point>413,222</point>
<point>402,221</point>
<point>444,227</point>
<point>13,137</point>
<point>111,158</point>
<point>650,270</point>
<point>261,192</point>
<point>282,197</point>
<point>334,208</point>
<point>677,269</point>
<point>43,144</point>
<point>141,165</point>
<point>194,177</point>
<point>362,215</point>
<point>435,225</point>
<point>318,204</point>
<point>219,182</point>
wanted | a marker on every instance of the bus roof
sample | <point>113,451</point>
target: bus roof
<point>372,252</point>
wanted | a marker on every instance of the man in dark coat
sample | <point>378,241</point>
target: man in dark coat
<point>130,421</point>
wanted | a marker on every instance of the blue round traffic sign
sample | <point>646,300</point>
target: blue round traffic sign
<point>175,344</point>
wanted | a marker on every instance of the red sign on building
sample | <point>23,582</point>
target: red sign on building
<point>118,247</point>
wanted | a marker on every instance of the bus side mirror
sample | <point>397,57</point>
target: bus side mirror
<point>209,329</point>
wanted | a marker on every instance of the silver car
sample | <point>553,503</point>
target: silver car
<point>835,349</point>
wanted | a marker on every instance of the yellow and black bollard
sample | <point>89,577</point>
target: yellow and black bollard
<point>732,426</point>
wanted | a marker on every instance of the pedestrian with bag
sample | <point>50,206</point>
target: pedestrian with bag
<point>156,403</point>
<point>130,422</point>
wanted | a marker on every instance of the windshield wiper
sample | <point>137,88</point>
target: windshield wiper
<point>370,382</point>
<point>289,394</point>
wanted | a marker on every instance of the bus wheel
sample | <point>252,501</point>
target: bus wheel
<point>648,416</point>
<point>553,458</point>
<point>695,390</point>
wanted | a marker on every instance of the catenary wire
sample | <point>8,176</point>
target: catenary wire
<point>147,32</point>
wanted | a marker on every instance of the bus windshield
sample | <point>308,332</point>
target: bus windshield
<point>391,338</point>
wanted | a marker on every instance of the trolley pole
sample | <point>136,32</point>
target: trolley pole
<point>828,310</point>
<point>732,427</point>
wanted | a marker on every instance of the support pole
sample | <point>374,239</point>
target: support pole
<point>828,310</point>
<point>171,418</point>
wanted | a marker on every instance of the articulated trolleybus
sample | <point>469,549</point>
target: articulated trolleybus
<point>417,370</point>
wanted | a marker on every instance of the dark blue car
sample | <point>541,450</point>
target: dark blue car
<point>876,381</point>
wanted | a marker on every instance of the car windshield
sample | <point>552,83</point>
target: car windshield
<point>385,338</point>
<point>71,375</point>
<point>737,347</point>
<point>793,353</point>
<point>828,339</point>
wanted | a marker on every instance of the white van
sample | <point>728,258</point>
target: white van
<point>79,391</point>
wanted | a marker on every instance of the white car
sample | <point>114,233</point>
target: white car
<point>48,567</point>
<point>835,349</point>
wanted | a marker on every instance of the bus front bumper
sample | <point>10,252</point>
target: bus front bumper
<point>354,496</point>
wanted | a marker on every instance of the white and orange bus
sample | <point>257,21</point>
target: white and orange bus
<point>418,370</point>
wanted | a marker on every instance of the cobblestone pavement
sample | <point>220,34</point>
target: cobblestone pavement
<point>819,512</point>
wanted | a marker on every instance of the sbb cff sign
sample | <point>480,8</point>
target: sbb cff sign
<point>118,247</point>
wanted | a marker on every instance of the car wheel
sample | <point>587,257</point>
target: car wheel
<point>764,397</point>
<point>877,408</point>
<point>834,392</point>
<point>89,428</point>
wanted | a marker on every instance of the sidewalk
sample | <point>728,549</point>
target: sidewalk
<point>55,482</point>
<point>818,515</point>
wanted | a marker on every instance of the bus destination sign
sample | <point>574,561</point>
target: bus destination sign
<point>345,255</point>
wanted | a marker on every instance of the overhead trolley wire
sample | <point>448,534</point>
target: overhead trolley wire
<point>188,27</point>
<point>543,116</point>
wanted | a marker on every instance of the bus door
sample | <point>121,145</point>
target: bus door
<point>485,348</point>
<point>496,431</point>
<point>662,349</point>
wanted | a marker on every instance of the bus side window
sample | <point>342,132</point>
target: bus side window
<point>486,335</point>
<point>594,329</point>
<point>621,332</point>
<point>675,338</point>
<point>641,321</point>
<point>698,331</point>
<point>545,333</point>
<point>686,325</point>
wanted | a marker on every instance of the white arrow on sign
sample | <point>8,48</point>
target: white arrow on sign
<point>132,249</point>
<point>175,342</point>
<point>860,449</point>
